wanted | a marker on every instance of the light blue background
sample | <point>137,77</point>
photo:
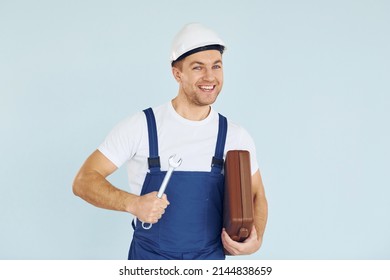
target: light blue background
<point>308,79</point>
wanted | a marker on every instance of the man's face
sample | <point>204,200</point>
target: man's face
<point>200,77</point>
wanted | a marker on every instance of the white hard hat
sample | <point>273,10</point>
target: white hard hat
<point>192,38</point>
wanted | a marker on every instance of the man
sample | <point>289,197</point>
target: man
<point>187,220</point>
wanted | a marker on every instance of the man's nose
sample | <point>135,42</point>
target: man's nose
<point>209,75</point>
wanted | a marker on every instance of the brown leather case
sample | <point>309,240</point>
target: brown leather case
<point>238,201</point>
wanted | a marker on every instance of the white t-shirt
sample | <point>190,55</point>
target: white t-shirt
<point>192,141</point>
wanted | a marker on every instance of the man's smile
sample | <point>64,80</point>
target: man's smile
<point>207,88</point>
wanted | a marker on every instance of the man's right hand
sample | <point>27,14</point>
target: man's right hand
<point>150,208</point>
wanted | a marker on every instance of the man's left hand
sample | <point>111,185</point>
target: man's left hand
<point>248,246</point>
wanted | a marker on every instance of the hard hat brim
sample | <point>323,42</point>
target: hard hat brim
<point>217,47</point>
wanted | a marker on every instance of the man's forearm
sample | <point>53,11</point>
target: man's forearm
<point>260,205</point>
<point>95,189</point>
<point>260,215</point>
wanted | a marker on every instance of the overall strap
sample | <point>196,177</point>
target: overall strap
<point>217,161</point>
<point>154,159</point>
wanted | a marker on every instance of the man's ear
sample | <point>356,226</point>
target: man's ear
<point>176,74</point>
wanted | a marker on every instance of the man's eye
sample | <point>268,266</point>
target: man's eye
<point>217,67</point>
<point>197,68</point>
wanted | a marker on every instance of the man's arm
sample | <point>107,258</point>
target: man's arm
<point>255,239</point>
<point>91,185</point>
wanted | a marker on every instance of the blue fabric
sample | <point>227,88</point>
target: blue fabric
<point>154,159</point>
<point>144,250</point>
<point>191,225</point>
<point>217,161</point>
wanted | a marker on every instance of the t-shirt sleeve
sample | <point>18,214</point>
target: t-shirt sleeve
<point>121,144</point>
<point>247,143</point>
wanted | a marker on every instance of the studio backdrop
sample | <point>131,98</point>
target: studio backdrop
<point>308,79</point>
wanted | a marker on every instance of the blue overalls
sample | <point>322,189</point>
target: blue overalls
<point>191,225</point>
